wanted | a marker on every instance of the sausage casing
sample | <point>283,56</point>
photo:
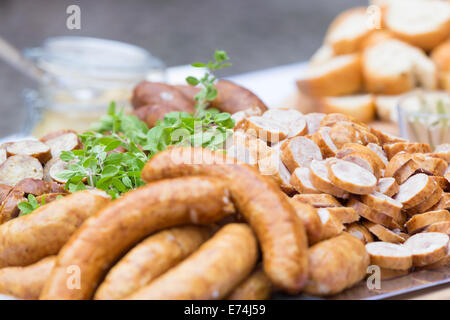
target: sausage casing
<point>336,264</point>
<point>43,232</point>
<point>26,282</point>
<point>280,232</point>
<point>149,259</point>
<point>138,213</point>
<point>211,272</point>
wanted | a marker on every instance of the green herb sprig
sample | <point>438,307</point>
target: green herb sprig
<point>100,165</point>
<point>28,206</point>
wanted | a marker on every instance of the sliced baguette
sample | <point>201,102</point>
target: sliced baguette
<point>394,67</point>
<point>348,31</point>
<point>427,204</point>
<point>422,23</point>
<point>338,76</point>
<point>360,107</point>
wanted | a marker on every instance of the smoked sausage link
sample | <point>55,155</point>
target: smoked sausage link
<point>111,232</point>
<point>280,232</point>
<point>29,238</point>
<point>211,272</point>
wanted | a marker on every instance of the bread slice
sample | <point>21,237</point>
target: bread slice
<point>338,76</point>
<point>348,31</point>
<point>422,23</point>
<point>389,255</point>
<point>441,57</point>
<point>361,106</point>
<point>427,248</point>
<point>386,107</point>
<point>394,67</point>
<point>322,55</point>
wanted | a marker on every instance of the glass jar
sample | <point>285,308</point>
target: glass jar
<point>82,76</point>
<point>424,116</point>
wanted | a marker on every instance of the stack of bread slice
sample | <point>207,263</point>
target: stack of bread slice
<point>370,58</point>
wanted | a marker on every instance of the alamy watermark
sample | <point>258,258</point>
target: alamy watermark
<point>73,21</point>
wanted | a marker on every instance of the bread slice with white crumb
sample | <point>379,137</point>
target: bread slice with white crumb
<point>338,76</point>
<point>348,31</point>
<point>361,107</point>
<point>393,67</point>
<point>441,57</point>
<point>424,24</point>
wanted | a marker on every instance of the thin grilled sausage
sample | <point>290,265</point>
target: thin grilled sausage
<point>211,272</point>
<point>280,232</point>
<point>149,259</point>
<point>26,282</point>
<point>112,231</point>
<point>29,238</point>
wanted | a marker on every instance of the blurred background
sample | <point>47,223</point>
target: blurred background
<point>257,34</point>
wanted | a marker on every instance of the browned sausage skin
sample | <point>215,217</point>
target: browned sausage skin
<point>149,259</point>
<point>151,93</point>
<point>232,98</point>
<point>280,232</point>
<point>43,232</point>
<point>256,287</point>
<point>107,235</point>
<point>26,282</point>
<point>211,272</point>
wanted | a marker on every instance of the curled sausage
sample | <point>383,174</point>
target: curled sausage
<point>211,272</point>
<point>26,282</point>
<point>150,93</point>
<point>43,232</point>
<point>280,232</point>
<point>149,259</point>
<point>256,287</point>
<point>112,231</point>
<point>232,98</point>
<point>336,264</point>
